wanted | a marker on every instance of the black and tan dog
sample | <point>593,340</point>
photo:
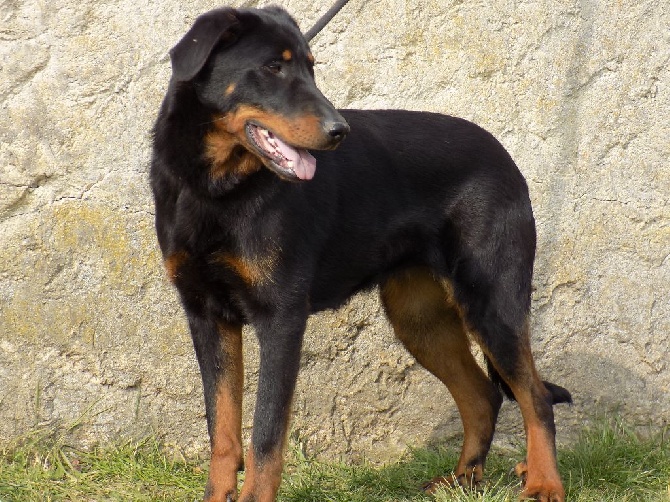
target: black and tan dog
<point>257,230</point>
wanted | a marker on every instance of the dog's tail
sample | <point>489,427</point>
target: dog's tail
<point>558,393</point>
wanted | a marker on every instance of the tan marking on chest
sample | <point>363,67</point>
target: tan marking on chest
<point>174,263</point>
<point>253,271</point>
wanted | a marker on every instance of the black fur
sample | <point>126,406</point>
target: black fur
<point>405,189</point>
<point>559,394</point>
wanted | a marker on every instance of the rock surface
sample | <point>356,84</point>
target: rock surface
<point>92,338</point>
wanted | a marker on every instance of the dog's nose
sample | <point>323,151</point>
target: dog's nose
<point>336,130</point>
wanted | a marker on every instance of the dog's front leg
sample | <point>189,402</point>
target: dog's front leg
<point>280,341</point>
<point>218,347</point>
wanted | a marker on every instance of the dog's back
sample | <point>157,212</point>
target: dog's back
<point>405,184</point>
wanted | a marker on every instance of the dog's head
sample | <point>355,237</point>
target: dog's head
<point>253,69</point>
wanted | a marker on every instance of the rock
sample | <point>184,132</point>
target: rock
<point>93,340</point>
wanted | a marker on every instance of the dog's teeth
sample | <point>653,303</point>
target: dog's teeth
<point>290,164</point>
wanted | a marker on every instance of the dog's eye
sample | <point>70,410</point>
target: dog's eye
<point>274,67</point>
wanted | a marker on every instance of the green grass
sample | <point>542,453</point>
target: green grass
<point>609,462</point>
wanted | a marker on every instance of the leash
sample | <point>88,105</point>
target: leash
<point>325,19</point>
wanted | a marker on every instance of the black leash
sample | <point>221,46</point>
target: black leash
<point>325,19</point>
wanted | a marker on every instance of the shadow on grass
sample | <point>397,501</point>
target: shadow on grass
<point>610,462</point>
<point>309,481</point>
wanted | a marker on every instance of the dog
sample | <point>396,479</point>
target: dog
<point>265,214</point>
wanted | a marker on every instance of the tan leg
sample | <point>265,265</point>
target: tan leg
<point>226,437</point>
<point>262,479</point>
<point>539,472</point>
<point>280,341</point>
<point>427,321</point>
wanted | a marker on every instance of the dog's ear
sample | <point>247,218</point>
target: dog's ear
<point>192,51</point>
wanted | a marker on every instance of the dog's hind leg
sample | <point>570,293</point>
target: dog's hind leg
<point>493,286</point>
<point>426,320</point>
<point>514,362</point>
<point>218,347</point>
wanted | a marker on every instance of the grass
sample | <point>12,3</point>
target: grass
<point>610,462</point>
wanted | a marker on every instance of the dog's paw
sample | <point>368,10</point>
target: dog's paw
<point>230,496</point>
<point>540,491</point>
<point>451,481</point>
<point>543,494</point>
<point>521,471</point>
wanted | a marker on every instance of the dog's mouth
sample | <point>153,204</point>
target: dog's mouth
<point>288,161</point>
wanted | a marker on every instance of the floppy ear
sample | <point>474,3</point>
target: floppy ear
<point>191,52</point>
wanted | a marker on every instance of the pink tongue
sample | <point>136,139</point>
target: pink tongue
<point>304,164</point>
